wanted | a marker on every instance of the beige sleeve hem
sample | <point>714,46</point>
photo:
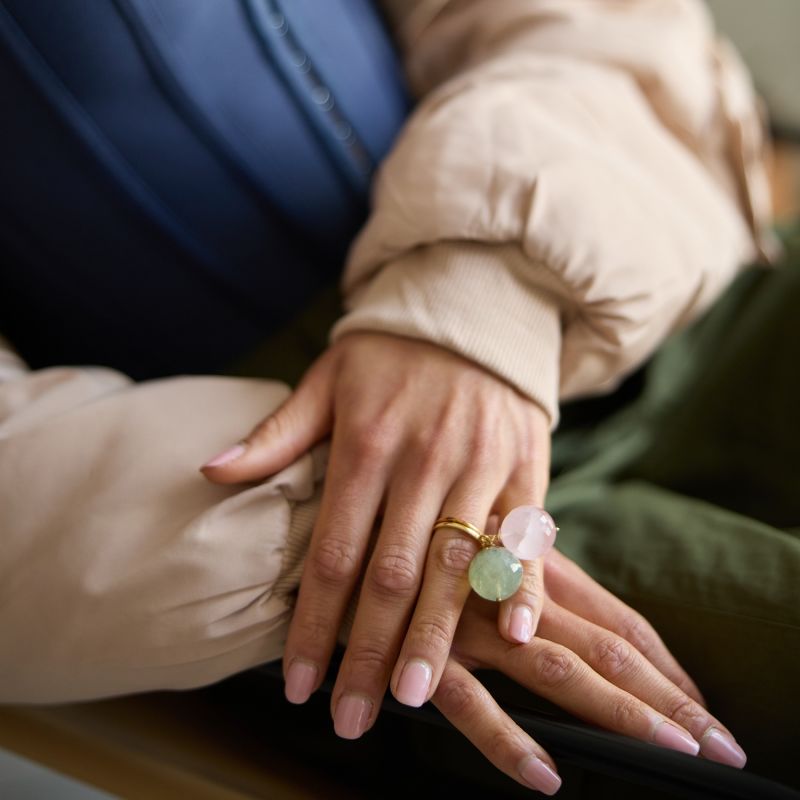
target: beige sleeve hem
<point>473,300</point>
<point>123,570</point>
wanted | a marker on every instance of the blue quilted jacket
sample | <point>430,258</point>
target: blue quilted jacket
<point>178,177</point>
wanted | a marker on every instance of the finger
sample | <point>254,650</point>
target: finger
<point>569,586</point>
<point>353,490</point>
<point>291,430</point>
<point>619,662</point>
<point>444,591</point>
<point>464,701</point>
<point>558,674</point>
<point>519,615</point>
<point>386,598</point>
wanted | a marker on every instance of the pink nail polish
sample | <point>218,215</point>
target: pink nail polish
<point>225,457</point>
<point>300,681</point>
<point>673,738</point>
<point>352,715</point>
<point>718,746</point>
<point>539,775</point>
<point>415,680</point>
<point>520,626</point>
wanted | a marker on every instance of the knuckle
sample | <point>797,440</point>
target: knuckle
<point>625,714</point>
<point>394,573</point>
<point>334,561</point>
<point>612,656</point>
<point>453,554</point>
<point>432,635</point>
<point>366,659</point>
<point>367,444</point>
<point>636,630</point>
<point>555,667</point>
<point>370,446</point>
<point>455,697</point>
<point>684,711</point>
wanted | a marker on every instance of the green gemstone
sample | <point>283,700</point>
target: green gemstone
<point>495,573</point>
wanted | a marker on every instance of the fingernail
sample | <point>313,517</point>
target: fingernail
<point>225,457</point>
<point>352,715</point>
<point>415,680</point>
<point>520,626</point>
<point>539,775</point>
<point>718,746</point>
<point>669,736</point>
<point>300,681</point>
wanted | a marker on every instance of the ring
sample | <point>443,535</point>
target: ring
<point>483,539</point>
<point>495,572</point>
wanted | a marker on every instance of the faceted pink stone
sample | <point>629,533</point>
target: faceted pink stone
<point>528,532</point>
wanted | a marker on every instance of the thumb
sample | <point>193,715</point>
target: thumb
<point>292,429</point>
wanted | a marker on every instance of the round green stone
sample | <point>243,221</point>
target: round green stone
<point>495,573</point>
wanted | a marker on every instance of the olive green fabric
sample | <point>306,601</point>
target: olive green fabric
<point>681,494</point>
<point>685,502</point>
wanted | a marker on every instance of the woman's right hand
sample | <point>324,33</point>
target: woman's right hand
<point>592,655</point>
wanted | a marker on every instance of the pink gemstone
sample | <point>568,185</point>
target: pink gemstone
<point>528,532</point>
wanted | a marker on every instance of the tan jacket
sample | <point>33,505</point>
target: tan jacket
<point>579,178</point>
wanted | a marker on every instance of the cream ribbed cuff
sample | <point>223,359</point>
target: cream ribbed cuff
<point>477,300</point>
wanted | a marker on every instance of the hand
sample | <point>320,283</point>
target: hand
<point>593,656</point>
<point>421,433</point>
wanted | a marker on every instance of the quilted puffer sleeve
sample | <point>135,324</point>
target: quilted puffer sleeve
<point>579,178</point>
<point>121,568</point>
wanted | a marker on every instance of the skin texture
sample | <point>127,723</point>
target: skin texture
<point>602,662</point>
<point>418,433</point>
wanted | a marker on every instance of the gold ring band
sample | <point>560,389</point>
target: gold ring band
<point>484,540</point>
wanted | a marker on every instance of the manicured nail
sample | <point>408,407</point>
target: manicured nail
<point>301,679</point>
<point>520,626</point>
<point>415,680</point>
<point>231,454</point>
<point>669,736</point>
<point>352,715</point>
<point>718,746</point>
<point>539,775</point>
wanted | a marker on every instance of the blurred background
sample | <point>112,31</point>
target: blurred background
<point>766,34</point>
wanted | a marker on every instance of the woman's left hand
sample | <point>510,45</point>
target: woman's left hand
<point>417,433</point>
<point>593,656</point>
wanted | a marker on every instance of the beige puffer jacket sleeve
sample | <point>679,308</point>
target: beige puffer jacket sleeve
<point>580,178</point>
<point>121,568</point>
